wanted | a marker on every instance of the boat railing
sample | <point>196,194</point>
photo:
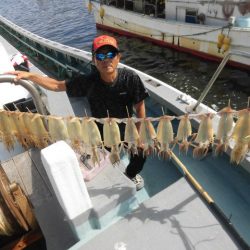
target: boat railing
<point>36,46</point>
<point>31,88</point>
<point>216,74</point>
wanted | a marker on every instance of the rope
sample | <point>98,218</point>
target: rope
<point>165,35</point>
<point>77,133</point>
<point>152,119</point>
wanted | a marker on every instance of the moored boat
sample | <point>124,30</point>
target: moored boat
<point>171,201</point>
<point>205,29</point>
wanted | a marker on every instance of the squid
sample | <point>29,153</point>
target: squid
<point>224,129</point>
<point>36,131</point>
<point>241,136</point>
<point>147,136</point>
<point>131,136</point>
<point>112,139</point>
<point>183,132</point>
<point>75,132</point>
<point>165,136</point>
<point>91,137</point>
<point>21,131</point>
<point>7,129</point>
<point>204,136</point>
<point>57,129</point>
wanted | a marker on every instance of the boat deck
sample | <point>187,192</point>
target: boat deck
<point>175,217</point>
<point>167,205</point>
<point>109,191</point>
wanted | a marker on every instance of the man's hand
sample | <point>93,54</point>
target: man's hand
<point>43,81</point>
<point>19,75</point>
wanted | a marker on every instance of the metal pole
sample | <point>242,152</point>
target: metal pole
<point>212,80</point>
<point>216,74</point>
<point>30,87</point>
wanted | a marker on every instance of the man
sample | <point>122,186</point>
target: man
<point>107,89</point>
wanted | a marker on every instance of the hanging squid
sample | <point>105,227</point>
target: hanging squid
<point>57,129</point>
<point>241,136</point>
<point>7,129</point>
<point>112,138</point>
<point>131,136</point>
<point>91,138</point>
<point>204,136</point>
<point>75,132</point>
<point>224,129</point>
<point>165,136</point>
<point>21,131</point>
<point>147,136</point>
<point>38,133</point>
<point>183,132</point>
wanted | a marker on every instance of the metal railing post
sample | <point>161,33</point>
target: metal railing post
<point>31,88</point>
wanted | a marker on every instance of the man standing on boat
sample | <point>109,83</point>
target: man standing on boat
<point>116,90</point>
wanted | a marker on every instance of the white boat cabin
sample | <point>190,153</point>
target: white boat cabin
<point>217,13</point>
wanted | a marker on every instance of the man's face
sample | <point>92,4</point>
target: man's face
<point>108,65</point>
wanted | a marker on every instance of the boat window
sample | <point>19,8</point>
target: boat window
<point>161,8</point>
<point>129,5</point>
<point>191,16</point>
<point>150,8</point>
<point>155,8</point>
<point>121,4</point>
<point>138,6</point>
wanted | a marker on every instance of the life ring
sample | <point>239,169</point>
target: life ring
<point>228,8</point>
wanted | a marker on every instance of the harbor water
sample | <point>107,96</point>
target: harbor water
<point>68,22</point>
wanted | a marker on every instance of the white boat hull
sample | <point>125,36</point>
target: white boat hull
<point>174,34</point>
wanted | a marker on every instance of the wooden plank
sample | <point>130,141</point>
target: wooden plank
<point>12,173</point>
<point>35,186</point>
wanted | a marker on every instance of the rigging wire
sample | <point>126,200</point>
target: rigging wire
<point>194,34</point>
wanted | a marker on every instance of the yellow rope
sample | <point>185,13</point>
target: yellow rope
<point>196,184</point>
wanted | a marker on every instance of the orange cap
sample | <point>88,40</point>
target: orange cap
<point>103,41</point>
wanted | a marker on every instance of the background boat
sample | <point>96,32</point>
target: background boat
<point>205,29</point>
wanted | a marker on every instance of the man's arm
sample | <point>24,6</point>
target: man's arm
<point>140,112</point>
<point>43,81</point>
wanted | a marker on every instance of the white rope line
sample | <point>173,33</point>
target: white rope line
<point>124,120</point>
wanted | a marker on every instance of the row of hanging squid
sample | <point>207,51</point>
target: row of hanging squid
<point>35,130</point>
